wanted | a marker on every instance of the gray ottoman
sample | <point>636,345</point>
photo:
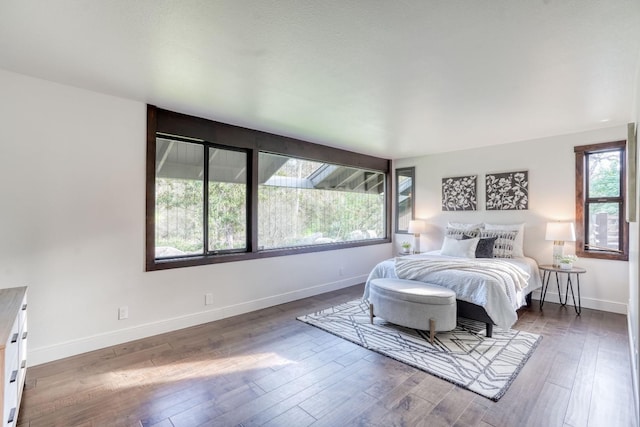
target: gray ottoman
<point>412,304</point>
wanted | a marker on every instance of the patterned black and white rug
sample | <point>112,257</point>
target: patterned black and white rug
<point>464,356</point>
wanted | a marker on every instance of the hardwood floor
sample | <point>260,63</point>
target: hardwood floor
<point>266,368</point>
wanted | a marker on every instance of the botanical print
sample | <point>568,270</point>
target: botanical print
<point>459,193</point>
<point>508,191</point>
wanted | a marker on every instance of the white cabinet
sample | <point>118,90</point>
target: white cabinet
<point>13,351</point>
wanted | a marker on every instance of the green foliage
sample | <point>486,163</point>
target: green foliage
<point>604,180</point>
<point>287,216</point>
<point>179,214</point>
<point>293,217</point>
<point>227,216</point>
<point>604,174</point>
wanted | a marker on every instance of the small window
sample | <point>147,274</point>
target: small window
<point>405,187</point>
<point>179,199</point>
<point>602,231</point>
<point>188,190</point>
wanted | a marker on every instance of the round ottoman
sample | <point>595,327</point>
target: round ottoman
<point>412,304</point>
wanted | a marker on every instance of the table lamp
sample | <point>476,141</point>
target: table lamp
<point>560,232</point>
<point>416,227</point>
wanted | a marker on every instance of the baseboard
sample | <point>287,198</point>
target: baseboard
<point>592,303</point>
<point>633,348</point>
<point>61,350</point>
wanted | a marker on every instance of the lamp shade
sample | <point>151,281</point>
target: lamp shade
<point>417,227</point>
<point>561,232</point>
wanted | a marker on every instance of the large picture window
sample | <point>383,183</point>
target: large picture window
<point>602,231</point>
<point>218,193</point>
<point>312,203</point>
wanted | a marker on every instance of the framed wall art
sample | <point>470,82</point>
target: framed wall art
<point>507,191</point>
<point>459,193</point>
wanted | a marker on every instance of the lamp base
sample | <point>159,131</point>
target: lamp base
<point>558,249</point>
<point>416,244</point>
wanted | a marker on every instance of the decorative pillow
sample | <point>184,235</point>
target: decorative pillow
<point>457,233</point>
<point>518,244</point>
<point>459,248</point>
<point>503,246</point>
<point>485,246</point>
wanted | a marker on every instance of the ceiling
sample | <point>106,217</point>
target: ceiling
<point>388,78</point>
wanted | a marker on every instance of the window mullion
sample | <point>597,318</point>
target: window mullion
<point>252,202</point>
<point>621,223</point>
<point>205,208</point>
<point>604,200</point>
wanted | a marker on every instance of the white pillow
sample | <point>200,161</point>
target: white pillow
<point>464,225</point>
<point>459,248</point>
<point>518,243</point>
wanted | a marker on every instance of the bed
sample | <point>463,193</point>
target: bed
<point>488,289</point>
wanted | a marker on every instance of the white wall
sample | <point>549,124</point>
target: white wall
<point>72,189</point>
<point>550,162</point>
<point>72,182</point>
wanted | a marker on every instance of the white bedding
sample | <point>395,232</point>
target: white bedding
<point>499,303</point>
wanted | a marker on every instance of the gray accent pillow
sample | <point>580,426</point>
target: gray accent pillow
<point>485,246</point>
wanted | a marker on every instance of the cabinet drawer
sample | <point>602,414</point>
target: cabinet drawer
<point>13,324</point>
<point>10,402</point>
<point>23,310</point>
<point>12,352</point>
<point>22,340</point>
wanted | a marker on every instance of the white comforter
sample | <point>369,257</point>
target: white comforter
<point>500,297</point>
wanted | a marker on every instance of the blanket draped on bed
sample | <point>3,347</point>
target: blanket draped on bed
<point>507,276</point>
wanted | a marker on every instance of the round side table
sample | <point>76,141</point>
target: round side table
<point>548,270</point>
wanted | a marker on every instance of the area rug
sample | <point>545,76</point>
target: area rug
<point>464,356</point>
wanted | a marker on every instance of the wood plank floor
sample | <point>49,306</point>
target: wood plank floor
<point>266,368</point>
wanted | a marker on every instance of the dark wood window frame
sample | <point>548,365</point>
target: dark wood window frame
<point>581,153</point>
<point>160,121</point>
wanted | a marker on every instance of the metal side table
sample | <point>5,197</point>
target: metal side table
<point>548,270</point>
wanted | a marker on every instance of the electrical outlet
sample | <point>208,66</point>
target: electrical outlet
<point>123,312</point>
<point>341,271</point>
<point>208,299</point>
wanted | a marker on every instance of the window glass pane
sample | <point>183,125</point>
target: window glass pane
<point>179,198</point>
<point>304,203</point>
<point>404,198</point>
<point>603,226</point>
<point>604,174</point>
<point>227,199</point>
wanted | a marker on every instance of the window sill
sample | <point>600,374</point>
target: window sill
<point>169,263</point>
<point>612,256</point>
